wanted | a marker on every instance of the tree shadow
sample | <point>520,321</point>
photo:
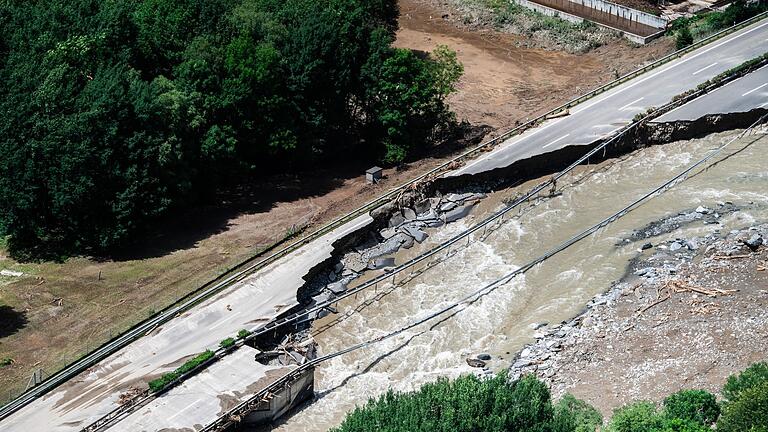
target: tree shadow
<point>184,228</point>
<point>11,320</point>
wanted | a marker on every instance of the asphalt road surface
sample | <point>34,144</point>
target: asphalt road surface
<point>741,95</point>
<point>247,304</point>
<point>603,115</point>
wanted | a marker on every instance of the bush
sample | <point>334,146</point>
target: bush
<point>574,415</point>
<point>227,343</point>
<point>753,376</point>
<point>467,404</point>
<point>680,425</point>
<point>683,38</point>
<point>748,412</point>
<point>243,333</point>
<point>698,406</point>
<point>160,383</point>
<point>637,417</point>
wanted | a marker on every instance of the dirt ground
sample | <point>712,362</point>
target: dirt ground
<point>55,313</point>
<point>505,83</point>
<point>678,321</point>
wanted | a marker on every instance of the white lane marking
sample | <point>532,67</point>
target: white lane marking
<point>665,69</point>
<point>222,322</point>
<point>630,104</point>
<point>561,138</point>
<point>597,100</point>
<point>704,68</point>
<point>755,89</point>
<point>762,105</point>
<point>182,410</point>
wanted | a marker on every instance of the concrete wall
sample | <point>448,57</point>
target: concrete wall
<point>549,11</point>
<point>624,12</point>
<point>288,397</point>
<point>576,19</point>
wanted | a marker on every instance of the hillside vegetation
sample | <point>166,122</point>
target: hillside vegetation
<point>498,404</point>
<point>113,113</point>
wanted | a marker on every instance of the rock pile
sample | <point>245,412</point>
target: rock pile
<point>560,346</point>
<point>404,228</point>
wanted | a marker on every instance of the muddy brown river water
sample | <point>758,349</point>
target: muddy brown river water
<point>502,322</point>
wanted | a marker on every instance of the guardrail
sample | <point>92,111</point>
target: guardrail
<point>247,267</point>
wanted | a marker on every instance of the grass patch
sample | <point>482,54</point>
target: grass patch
<point>510,17</point>
<point>160,383</point>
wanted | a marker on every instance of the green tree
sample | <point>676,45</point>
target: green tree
<point>637,417</point>
<point>574,415</point>
<point>748,412</point>
<point>755,375</point>
<point>698,406</point>
<point>462,405</point>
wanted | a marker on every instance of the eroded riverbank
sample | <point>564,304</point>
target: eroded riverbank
<point>690,313</point>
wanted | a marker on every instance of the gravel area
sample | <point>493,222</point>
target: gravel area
<point>689,313</point>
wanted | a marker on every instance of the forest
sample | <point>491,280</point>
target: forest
<point>114,113</point>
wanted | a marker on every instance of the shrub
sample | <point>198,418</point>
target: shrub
<point>683,38</point>
<point>680,425</point>
<point>699,406</point>
<point>242,334</point>
<point>160,383</point>
<point>747,413</point>
<point>637,417</point>
<point>227,343</point>
<point>466,404</point>
<point>574,415</point>
<point>753,376</point>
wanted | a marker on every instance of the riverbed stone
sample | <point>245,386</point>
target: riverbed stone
<point>754,241</point>
<point>475,362</point>
<point>484,356</point>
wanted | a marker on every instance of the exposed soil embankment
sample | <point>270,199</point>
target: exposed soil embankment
<point>689,313</point>
<point>647,134</point>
